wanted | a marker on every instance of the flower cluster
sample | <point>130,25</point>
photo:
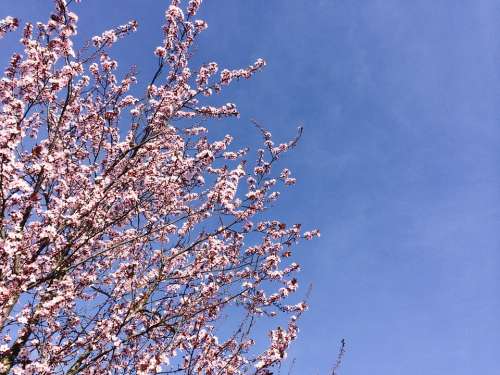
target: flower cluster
<point>8,24</point>
<point>126,234</point>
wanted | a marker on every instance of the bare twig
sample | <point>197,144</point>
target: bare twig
<point>340,356</point>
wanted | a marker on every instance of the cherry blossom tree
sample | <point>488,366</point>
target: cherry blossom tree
<point>127,235</point>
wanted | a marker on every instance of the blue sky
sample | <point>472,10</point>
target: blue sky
<point>398,166</point>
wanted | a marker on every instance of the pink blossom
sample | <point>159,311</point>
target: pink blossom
<point>311,234</point>
<point>128,235</point>
<point>8,24</point>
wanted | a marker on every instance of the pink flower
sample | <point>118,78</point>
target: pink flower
<point>126,230</point>
<point>8,24</point>
<point>311,234</point>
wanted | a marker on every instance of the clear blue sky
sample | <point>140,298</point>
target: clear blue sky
<point>399,165</point>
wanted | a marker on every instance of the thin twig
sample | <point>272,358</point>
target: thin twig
<point>340,356</point>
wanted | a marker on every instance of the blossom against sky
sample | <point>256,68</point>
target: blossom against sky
<point>398,165</point>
